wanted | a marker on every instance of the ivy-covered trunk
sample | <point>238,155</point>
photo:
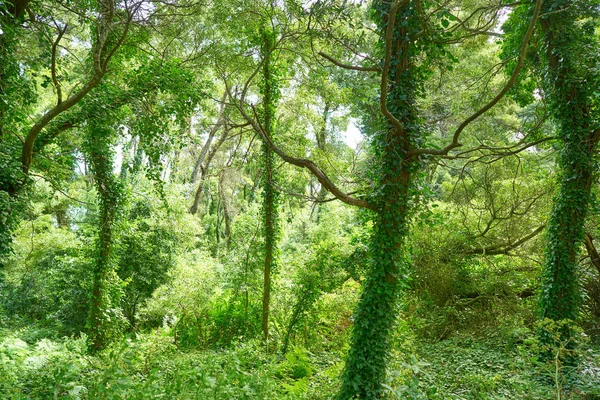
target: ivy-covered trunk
<point>569,83</point>
<point>365,369</point>
<point>270,207</point>
<point>99,152</point>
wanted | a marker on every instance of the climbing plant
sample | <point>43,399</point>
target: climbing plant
<point>392,172</point>
<point>269,90</point>
<point>569,53</point>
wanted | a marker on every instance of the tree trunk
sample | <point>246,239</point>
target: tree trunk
<point>211,154</point>
<point>270,211</point>
<point>365,369</point>
<point>567,82</point>
<point>270,194</point>
<point>227,206</point>
<point>100,157</point>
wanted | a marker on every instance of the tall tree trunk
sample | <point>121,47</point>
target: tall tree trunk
<point>99,152</point>
<point>227,206</point>
<point>270,215</point>
<point>569,83</point>
<point>204,169</point>
<point>270,195</point>
<point>365,369</point>
<point>204,151</point>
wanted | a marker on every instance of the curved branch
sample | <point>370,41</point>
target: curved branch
<point>495,100</point>
<point>57,86</point>
<point>100,63</point>
<point>299,162</point>
<point>497,250</point>
<point>348,66</point>
<point>592,252</point>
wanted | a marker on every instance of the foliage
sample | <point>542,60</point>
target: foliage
<point>469,148</point>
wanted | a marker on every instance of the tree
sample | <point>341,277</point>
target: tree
<point>406,32</point>
<point>270,204</point>
<point>109,28</point>
<point>569,50</point>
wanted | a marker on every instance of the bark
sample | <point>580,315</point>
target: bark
<point>204,169</point>
<point>17,7</point>
<point>269,210</point>
<point>270,194</point>
<point>592,252</point>
<point>211,135</point>
<point>227,207</point>
<point>204,151</point>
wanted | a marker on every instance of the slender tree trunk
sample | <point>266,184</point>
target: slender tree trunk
<point>270,194</point>
<point>227,206</point>
<point>209,157</point>
<point>101,161</point>
<point>270,211</point>
<point>209,139</point>
<point>205,148</point>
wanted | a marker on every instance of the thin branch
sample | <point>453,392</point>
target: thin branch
<point>348,66</point>
<point>592,252</point>
<point>55,187</point>
<point>495,100</point>
<point>61,32</point>
<point>299,162</point>
<point>497,250</point>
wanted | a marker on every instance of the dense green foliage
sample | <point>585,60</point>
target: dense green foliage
<point>299,199</point>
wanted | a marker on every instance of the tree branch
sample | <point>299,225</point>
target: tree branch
<point>512,80</point>
<point>299,162</point>
<point>348,66</point>
<point>61,32</point>
<point>592,252</point>
<point>104,21</point>
<point>501,249</point>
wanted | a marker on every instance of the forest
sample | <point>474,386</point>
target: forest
<point>299,199</point>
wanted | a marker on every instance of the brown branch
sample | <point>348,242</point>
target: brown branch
<point>61,32</point>
<point>348,66</point>
<point>497,250</point>
<point>512,80</point>
<point>299,162</point>
<point>104,20</point>
<point>198,196</point>
<point>592,252</point>
<point>122,37</point>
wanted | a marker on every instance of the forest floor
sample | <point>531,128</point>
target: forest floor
<point>150,366</point>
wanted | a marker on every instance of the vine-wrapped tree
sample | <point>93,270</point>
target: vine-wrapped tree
<point>413,39</point>
<point>270,204</point>
<point>569,50</point>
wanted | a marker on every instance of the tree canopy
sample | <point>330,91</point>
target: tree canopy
<point>299,199</point>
